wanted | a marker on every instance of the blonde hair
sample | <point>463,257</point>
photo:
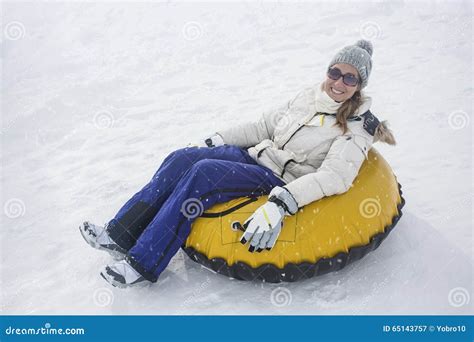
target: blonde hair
<point>349,107</point>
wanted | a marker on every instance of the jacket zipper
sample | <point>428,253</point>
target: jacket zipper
<point>291,136</point>
<point>301,125</point>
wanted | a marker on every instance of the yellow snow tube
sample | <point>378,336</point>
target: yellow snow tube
<point>322,237</point>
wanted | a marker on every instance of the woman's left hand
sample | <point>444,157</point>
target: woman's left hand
<point>263,227</point>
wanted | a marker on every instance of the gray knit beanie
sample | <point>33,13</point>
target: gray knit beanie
<point>359,56</point>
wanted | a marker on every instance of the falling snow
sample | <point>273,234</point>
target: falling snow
<point>96,95</point>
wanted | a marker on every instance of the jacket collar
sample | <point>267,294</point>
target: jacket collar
<point>325,104</point>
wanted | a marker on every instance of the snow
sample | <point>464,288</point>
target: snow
<point>95,95</point>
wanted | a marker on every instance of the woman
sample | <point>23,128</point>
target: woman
<point>311,147</point>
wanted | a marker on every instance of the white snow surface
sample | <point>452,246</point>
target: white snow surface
<point>95,95</point>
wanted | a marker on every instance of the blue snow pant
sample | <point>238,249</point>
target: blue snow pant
<point>157,220</point>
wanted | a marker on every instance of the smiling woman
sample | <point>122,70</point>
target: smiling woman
<point>311,147</point>
<point>342,82</point>
<point>347,75</point>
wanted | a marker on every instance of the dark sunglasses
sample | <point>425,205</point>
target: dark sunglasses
<point>350,80</point>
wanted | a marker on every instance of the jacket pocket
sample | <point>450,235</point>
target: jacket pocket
<point>296,170</point>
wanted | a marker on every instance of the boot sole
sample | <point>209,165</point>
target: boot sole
<point>115,253</point>
<point>113,282</point>
<point>110,279</point>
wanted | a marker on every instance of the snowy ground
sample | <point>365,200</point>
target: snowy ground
<point>95,95</point>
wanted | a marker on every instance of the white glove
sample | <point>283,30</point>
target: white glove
<point>263,227</point>
<point>215,140</point>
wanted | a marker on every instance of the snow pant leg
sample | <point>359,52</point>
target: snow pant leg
<point>208,182</point>
<point>139,211</point>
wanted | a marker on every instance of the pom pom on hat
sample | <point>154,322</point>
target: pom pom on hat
<point>366,45</point>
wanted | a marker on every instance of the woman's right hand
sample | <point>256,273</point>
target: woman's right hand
<point>213,141</point>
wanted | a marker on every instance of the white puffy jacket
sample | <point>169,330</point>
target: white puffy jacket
<point>303,148</point>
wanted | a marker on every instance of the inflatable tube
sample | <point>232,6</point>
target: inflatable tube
<point>322,237</point>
